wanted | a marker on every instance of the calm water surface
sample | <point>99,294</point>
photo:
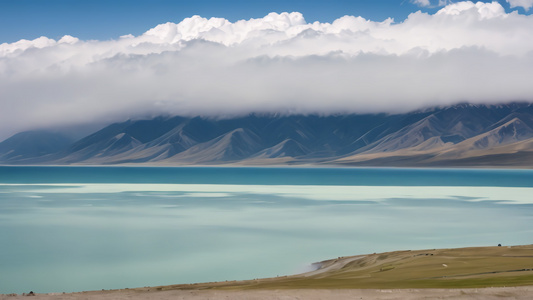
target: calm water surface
<point>88,228</point>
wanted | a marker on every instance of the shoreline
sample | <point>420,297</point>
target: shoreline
<point>329,281</point>
<point>280,166</point>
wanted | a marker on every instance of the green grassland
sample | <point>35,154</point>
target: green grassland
<point>438,268</point>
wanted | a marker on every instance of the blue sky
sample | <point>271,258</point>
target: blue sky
<point>109,19</point>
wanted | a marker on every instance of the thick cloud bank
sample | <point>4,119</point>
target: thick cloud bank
<point>467,51</point>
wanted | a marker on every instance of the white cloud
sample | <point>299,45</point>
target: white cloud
<point>422,3</point>
<point>429,3</point>
<point>465,52</point>
<point>445,2</point>
<point>526,4</point>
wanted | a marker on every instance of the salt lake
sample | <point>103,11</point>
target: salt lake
<point>66,229</point>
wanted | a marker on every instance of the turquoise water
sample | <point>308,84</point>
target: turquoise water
<point>270,176</point>
<point>89,228</point>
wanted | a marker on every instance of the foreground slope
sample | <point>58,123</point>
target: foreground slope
<point>436,268</point>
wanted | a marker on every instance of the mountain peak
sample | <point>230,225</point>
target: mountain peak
<point>452,135</point>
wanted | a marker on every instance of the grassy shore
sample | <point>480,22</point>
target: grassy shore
<point>437,268</point>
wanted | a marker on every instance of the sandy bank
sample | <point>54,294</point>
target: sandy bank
<point>385,294</point>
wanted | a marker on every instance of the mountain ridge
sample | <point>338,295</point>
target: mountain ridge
<point>459,135</point>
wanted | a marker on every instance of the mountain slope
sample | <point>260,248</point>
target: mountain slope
<point>287,148</point>
<point>32,144</point>
<point>232,146</point>
<point>460,135</point>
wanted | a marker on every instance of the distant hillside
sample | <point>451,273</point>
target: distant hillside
<point>460,135</point>
<point>31,144</point>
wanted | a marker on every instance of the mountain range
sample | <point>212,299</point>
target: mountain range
<point>461,135</point>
